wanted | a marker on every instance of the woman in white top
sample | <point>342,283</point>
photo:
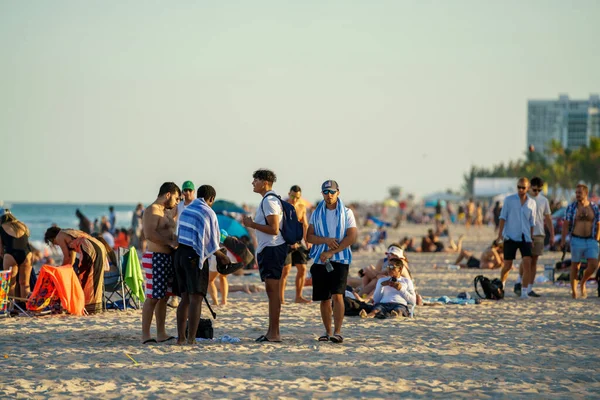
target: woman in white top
<point>393,293</point>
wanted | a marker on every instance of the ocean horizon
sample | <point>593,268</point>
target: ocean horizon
<point>40,216</point>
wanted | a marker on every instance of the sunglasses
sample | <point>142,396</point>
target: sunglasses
<point>329,191</point>
<point>521,187</point>
<point>536,190</point>
<point>187,190</point>
<point>396,262</point>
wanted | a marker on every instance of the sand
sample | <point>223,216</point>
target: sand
<point>536,348</point>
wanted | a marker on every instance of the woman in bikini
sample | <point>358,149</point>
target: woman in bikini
<point>16,253</point>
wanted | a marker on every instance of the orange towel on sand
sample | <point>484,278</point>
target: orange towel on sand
<point>60,283</point>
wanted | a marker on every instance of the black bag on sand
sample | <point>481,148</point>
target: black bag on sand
<point>205,328</point>
<point>492,290</point>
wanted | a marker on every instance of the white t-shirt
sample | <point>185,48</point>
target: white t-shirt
<point>542,209</point>
<point>180,207</point>
<point>332,221</point>
<point>272,206</point>
<point>389,294</point>
<point>110,239</point>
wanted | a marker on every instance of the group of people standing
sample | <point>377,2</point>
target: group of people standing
<point>521,227</point>
<point>176,260</point>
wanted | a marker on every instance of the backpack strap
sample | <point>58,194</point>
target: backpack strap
<point>477,280</point>
<point>263,209</point>
<point>210,308</point>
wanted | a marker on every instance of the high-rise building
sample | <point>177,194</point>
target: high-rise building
<point>571,122</point>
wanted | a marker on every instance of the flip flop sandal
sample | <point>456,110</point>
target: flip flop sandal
<point>324,338</point>
<point>337,338</point>
<point>167,339</point>
<point>149,341</point>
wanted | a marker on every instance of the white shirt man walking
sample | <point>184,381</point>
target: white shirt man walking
<point>543,216</point>
<point>517,220</point>
<point>332,230</point>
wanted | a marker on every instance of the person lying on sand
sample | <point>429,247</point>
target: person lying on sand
<point>491,258</point>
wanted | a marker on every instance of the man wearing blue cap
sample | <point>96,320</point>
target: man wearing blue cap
<point>332,230</point>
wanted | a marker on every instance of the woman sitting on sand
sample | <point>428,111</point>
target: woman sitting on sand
<point>16,253</point>
<point>372,274</point>
<point>92,258</point>
<point>432,244</point>
<point>408,245</point>
<point>393,293</point>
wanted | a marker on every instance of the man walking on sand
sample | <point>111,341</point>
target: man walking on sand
<point>198,238</point>
<point>332,230</point>
<point>517,220</point>
<point>272,248</point>
<point>298,252</point>
<point>583,224</point>
<point>543,215</point>
<point>159,231</point>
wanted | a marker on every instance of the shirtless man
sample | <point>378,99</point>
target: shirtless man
<point>297,253</point>
<point>159,230</point>
<point>583,224</point>
<point>491,258</point>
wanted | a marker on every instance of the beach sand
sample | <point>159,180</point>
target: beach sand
<point>536,348</point>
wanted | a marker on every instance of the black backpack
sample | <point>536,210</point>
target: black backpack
<point>292,230</point>
<point>493,289</point>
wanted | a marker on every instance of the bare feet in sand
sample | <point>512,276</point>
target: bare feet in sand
<point>583,290</point>
<point>301,300</point>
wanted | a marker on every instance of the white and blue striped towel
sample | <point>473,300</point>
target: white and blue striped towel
<point>199,228</point>
<point>319,220</point>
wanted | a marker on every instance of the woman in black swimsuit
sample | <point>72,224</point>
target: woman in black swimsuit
<point>16,252</point>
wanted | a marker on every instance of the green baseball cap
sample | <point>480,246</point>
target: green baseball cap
<point>188,185</point>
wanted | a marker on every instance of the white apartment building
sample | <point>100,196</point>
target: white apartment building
<point>571,122</point>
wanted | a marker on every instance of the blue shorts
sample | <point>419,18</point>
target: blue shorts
<point>271,261</point>
<point>583,249</point>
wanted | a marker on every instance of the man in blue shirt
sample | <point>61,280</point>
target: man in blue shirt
<point>517,220</point>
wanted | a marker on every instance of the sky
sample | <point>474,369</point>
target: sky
<point>104,101</point>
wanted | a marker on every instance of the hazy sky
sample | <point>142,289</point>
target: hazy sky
<point>104,101</point>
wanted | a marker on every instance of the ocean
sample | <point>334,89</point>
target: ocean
<point>40,216</point>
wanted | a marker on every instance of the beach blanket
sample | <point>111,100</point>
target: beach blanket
<point>319,222</point>
<point>133,275</point>
<point>449,300</point>
<point>57,284</point>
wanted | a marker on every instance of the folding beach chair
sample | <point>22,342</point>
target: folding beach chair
<point>116,294</point>
<point>8,304</point>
